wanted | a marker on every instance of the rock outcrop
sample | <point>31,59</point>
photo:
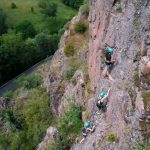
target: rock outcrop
<point>49,139</point>
<point>123,24</point>
<point>145,65</point>
<point>5,103</point>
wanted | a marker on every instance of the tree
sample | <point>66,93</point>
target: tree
<point>10,55</point>
<point>3,26</point>
<point>13,5</point>
<point>53,24</point>
<point>48,8</point>
<point>27,29</point>
<point>73,3</point>
<point>47,44</point>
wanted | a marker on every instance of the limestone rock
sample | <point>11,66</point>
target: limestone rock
<point>50,137</point>
<point>145,65</point>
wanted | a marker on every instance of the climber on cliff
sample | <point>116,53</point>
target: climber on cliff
<point>88,127</point>
<point>108,64</point>
<point>102,100</point>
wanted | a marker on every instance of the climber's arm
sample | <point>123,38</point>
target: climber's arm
<point>106,96</point>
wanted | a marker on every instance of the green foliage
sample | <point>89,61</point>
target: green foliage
<point>8,94</point>
<point>119,9</point>
<point>84,68</point>
<point>85,8</point>
<point>88,88</point>
<point>146,96</point>
<point>3,141</point>
<point>32,9</point>
<point>48,8</point>
<point>71,122</point>
<point>32,53</point>
<point>136,78</point>
<point>11,47</point>
<point>73,3</point>
<point>47,43</point>
<point>33,122</point>
<point>3,26</point>
<point>68,74</point>
<point>54,24</point>
<point>22,53</point>
<point>112,138</point>
<point>69,50</point>
<point>143,146</point>
<point>133,109</point>
<point>28,82</point>
<point>71,69</point>
<point>74,81</point>
<point>13,5</point>
<point>80,27</point>
<point>61,31</point>
<point>69,126</point>
<point>12,120</point>
<point>27,29</point>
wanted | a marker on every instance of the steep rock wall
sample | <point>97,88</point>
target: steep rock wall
<point>124,24</point>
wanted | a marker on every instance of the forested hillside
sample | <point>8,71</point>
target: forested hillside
<point>29,31</point>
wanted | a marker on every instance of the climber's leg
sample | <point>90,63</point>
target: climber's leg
<point>82,139</point>
<point>104,73</point>
<point>110,78</point>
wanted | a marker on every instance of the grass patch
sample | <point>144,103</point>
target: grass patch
<point>143,146</point>
<point>29,82</point>
<point>80,27</point>
<point>84,69</point>
<point>8,94</point>
<point>133,109</point>
<point>112,138</point>
<point>74,81</point>
<point>69,50</point>
<point>146,96</point>
<point>71,69</point>
<point>88,88</point>
<point>119,9</point>
<point>85,8</point>
<point>136,77</point>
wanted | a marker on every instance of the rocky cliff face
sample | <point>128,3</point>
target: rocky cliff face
<point>124,24</point>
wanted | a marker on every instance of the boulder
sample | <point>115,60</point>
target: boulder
<point>145,65</point>
<point>49,139</point>
<point>4,103</point>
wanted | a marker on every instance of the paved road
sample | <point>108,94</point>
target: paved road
<point>10,85</point>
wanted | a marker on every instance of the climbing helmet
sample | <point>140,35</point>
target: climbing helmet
<point>110,50</point>
<point>102,94</point>
<point>87,124</point>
